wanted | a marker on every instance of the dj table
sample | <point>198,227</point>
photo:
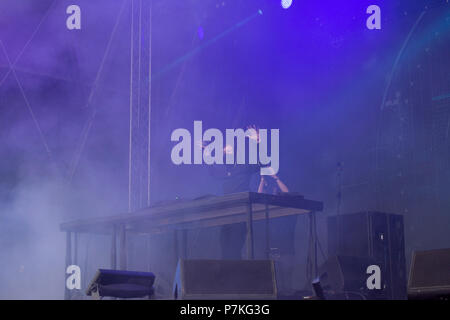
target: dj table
<point>187,214</point>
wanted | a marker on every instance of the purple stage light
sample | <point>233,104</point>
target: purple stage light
<point>201,33</point>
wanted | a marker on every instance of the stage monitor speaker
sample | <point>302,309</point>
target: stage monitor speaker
<point>121,284</point>
<point>225,279</point>
<point>429,277</point>
<point>376,235</point>
<point>346,277</point>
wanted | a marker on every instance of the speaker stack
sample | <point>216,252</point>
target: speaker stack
<point>356,241</point>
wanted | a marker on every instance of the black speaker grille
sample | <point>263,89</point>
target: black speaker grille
<point>430,269</point>
<point>228,277</point>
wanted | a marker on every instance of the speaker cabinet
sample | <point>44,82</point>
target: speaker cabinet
<point>375,235</point>
<point>429,277</point>
<point>225,279</point>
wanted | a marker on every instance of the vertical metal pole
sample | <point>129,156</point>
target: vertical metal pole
<point>68,262</point>
<point>266,221</point>
<point>149,100</point>
<point>314,231</point>
<point>123,247</point>
<point>312,269</point>
<point>250,254</point>
<point>148,251</point>
<point>114,248</point>
<point>130,150</point>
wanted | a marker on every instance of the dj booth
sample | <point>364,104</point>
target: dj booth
<point>202,212</point>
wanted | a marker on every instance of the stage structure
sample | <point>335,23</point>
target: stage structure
<point>140,105</point>
<point>182,215</point>
<point>144,217</point>
<point>140,17</point>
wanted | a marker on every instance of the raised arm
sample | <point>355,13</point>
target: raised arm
<point>280,184</point>
<point>261,185</point>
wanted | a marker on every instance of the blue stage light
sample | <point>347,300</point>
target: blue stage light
<point>286,3</point>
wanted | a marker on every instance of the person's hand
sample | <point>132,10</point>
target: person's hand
<point>254,134</point>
